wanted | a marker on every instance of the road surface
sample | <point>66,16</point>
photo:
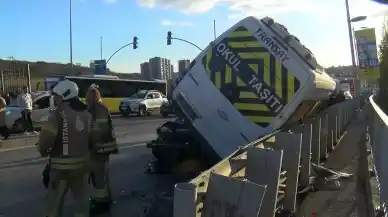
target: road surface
<point>22,193</point>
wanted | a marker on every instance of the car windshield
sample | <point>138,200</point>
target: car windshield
<point>139,95</point>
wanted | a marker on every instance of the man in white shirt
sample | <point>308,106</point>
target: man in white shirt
<point>25,102</point>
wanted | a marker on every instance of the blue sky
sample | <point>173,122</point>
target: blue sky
<point>39,29</point>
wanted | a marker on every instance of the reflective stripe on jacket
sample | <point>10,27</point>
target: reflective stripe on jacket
<point>68,163</point>
<point>103,135</point>
<point>66,136</point>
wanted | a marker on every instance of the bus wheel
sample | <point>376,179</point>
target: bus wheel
<point>142,111</point>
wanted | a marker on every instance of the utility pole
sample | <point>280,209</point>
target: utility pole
<point>101,47</point>
<point>214,29</point>
<point>71,35</point>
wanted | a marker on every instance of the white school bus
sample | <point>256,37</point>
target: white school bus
<point>252,80</point>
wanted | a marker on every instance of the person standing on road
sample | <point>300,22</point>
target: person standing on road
<point>104,141</point>
<point>3,125</point>
<point>66,140</point>
<point>25,103</point>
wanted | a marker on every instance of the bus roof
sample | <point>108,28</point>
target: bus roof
<point>108,79</point>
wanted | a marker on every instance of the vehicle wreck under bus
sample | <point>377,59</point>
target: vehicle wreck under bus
<point>254,79</point>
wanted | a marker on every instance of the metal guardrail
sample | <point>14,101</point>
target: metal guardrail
<point>263,178</point>
<point>378,135</point>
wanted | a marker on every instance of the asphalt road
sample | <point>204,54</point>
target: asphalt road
<point>136,192</point>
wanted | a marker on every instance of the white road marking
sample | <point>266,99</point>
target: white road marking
<point>45,159</point>
<point>16,148</point>
<point>32,146</point>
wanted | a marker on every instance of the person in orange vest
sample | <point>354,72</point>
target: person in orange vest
<point>104,141</point>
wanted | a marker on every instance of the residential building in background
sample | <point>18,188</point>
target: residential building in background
<point>161,68</point>
<point>145,71</point>
<point>182,65</point>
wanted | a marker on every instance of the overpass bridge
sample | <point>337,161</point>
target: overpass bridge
<point>319,169</point>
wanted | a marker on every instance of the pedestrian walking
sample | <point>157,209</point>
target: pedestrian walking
<point>25,103</point>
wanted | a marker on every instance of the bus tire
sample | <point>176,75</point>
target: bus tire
<point>142,111</point>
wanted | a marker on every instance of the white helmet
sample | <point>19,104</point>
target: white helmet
<point>94,86</point>
<point>66,89</point>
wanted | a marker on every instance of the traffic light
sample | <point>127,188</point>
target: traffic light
<point>134,42</point>
<point>169,38</point>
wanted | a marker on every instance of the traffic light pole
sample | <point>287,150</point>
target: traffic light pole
<point>179,39</point>
<point>118,51</point>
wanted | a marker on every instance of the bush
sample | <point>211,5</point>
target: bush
<point>382,98</point>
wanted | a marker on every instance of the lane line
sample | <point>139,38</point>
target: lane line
<point>32,146</point>
<point>16,148</point>
<point>45,159</point>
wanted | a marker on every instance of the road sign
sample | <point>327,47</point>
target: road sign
<point>100,67</point>
<point>367,53</point>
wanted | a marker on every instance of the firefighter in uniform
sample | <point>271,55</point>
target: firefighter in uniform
<point>104,142</point>
<point>65,139</point>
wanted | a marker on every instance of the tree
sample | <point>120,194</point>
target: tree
<point>383,82</point>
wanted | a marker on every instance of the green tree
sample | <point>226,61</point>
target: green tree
<point>383,93</point>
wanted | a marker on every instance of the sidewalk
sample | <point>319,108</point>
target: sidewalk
<point>345,157</point>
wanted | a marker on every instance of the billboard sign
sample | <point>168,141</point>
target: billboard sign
<point>100,67</point>
<point>367,53</point>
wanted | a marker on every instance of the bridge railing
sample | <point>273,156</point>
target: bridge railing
<point>378,135</point>
<point>265,176</point>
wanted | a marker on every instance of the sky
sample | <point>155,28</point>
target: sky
<point>38,30</point>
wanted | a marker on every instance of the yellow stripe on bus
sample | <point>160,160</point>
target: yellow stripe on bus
<point>250,107</point>
<point>217,79</point>
<point>240,83</point>
<point>254,55</point>
<point>208,59</point>
<point>260,119</point>
<point>290,86</point>
<point>278,80</point>
<point>239,34</point>
<point>228,74</point>
<point>245,44</point>
<point>262,56</point>
<point>247,95</point>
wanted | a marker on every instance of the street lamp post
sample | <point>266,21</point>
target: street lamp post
<point>101,47</point>
<point>349,21</point>
<point>70,36</point>
<point>351,40</point>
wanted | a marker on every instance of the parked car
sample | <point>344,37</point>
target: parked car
<point>142,103</point>
<point>42,104</point>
